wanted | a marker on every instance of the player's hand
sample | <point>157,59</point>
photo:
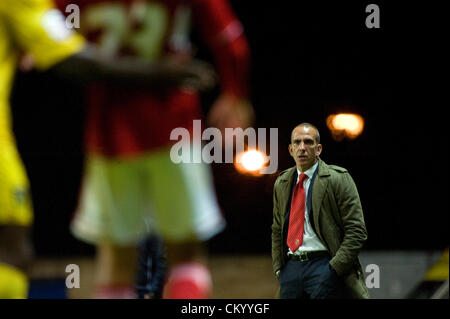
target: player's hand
<point>231,111</point>
<point>194,73</point>
<point>26,62</point>
<point>205,78</point>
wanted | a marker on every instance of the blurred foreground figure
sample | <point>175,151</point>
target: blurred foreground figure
<point>34,28</point>
<point>129,174</point>
<point>24,26</point>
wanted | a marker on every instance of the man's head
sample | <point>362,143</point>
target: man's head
<point>305,146</point>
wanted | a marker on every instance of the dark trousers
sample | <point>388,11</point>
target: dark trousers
<point>314,279</point>
<point>151,268</point>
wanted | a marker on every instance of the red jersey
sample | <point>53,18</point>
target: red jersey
<point>128,121</point>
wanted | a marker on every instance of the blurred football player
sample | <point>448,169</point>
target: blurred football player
<point>36,29</point>
<point>129,173</point>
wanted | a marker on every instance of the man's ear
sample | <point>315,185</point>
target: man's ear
<point>319,150</point>
<point>290,149</point>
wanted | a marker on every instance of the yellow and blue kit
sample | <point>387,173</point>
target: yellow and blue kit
<point>32,27</point>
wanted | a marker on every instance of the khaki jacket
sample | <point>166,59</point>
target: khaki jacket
<point>337,220</point>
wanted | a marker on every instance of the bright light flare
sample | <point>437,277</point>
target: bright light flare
<point>250,162</point>
<point>345,125</point>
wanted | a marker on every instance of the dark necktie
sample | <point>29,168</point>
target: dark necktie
<point>297,216</point>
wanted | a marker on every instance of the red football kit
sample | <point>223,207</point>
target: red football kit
<point>125,121</point>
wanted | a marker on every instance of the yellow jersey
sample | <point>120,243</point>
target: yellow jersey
<point>34,27</point>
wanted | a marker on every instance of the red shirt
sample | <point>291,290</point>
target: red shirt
<point>128,121</point>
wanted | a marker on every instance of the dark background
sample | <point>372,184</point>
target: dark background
<point>308,61</point>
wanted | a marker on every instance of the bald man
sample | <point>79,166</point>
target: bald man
<point>318,225</point>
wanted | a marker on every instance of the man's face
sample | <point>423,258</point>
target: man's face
<point>304,148</point>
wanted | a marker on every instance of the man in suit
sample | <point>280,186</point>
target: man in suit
<point>318,225</point>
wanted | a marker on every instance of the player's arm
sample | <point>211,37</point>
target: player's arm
<point>224,35</point>
<point>90,64</point>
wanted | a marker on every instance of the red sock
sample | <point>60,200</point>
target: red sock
<point>114,292</point>
<point>188,281</point>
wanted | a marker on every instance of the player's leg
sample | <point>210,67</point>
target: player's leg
<point>187,214</point>
<point>189,276</point>
<point>115,271</point>
<point>15,224</point>
<point>109,216</point>
<point>15,258</point>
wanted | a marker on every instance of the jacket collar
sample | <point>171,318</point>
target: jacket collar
<point>323,170</point>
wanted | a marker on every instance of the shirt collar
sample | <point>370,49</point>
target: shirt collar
<point>309,172</point>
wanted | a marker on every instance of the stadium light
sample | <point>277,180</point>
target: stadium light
<point>345,125</point>
<point>250,162</point>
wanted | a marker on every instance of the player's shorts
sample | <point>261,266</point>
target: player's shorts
<point>15,199</point>
<point>118,196</point>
